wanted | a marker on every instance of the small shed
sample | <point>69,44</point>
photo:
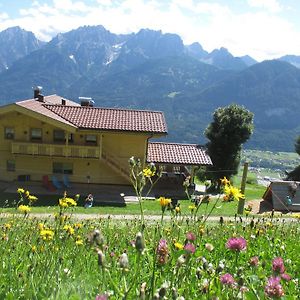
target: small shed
<point>284,195</point>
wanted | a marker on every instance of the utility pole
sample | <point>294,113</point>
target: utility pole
<point>243,187</point>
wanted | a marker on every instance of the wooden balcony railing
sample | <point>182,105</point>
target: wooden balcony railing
<point>55,150</point>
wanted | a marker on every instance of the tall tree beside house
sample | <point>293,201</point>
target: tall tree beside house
<point>231,127</point>
<point>295,174</point>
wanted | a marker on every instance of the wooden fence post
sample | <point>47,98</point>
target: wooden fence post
<point>243,187</point>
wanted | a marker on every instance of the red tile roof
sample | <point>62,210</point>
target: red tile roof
<point>111,118</point>
<point>39,107</point>
<point>171,153</point>
<point>97,118</point>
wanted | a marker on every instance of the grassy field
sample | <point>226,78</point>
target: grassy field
<point>151,207</point>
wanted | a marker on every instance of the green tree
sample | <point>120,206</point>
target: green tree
<point>231,127</point>
<point>295,174</point>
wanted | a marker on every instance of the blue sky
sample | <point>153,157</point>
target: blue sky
<point>264,29</point>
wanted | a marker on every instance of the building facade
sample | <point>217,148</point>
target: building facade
<point>60,139</point>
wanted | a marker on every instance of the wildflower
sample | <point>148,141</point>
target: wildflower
<point>62,203</point>
<point>225,181</point>
<point>96,237</point>
<point>254,261</point>
<point>139,242</point>
<point>181,260</point>
<point>27,194</point>
<point>71,202</point>
<point>79,242</point>
<point>7,225</point>
<point>278,265</point>
<point>69,229</point>
<point>101,259</point>
<point>209,247</point>
<point>147,172</point>
<point>273,288</point>
<point>227,279</point>
<point>190,236</point>
<point>236,244</point>
<point>47,234</point>
<point>102,297</point>
<point>123,261</point>
<point>164,202</point>
<point>189,248</point>
<point>162,251</point>
<point>286,277</point>
<point>41,226</point>
<point>201,230</point>
<point>33,249</point>
<point>20,191</point>
<point>192,207</point>
<point>232,193</point>
<point>32,198</point>
<point>67,271</point>
<point>178,246</point>
<point>177,210</point>
<point>25,209</point>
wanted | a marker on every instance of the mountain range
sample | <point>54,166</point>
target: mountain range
<point>154,70</point>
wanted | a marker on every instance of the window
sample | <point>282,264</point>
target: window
<point>10,165</point>
<point>91,139</point>
<point>36,134</point>
<point>59,136</point>
<point>62,168</point>
<point>9,133</point>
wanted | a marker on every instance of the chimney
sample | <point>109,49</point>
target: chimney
<point>86,101</point>
<point>37,93</point>
<point>63,101</point>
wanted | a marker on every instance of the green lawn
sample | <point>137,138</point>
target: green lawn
<point>151,207</point>
<point>48,204</point>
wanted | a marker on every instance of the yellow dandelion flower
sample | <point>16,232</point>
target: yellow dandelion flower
<point>177,209</point>
<point>47,234</point>
<point>164,201</point>
<point>7,225</point>
<point>225,181</point>
<point>192,207</point>
<point>41,226</point>
<point>79,242</point>
<point>27,194</point>
<point>71,202</point>
<point>20,190</point>
<point>25,209</point>
<point>33,249</point>
<point>236,194</point>
<point>147,172</point>
<point>32,198</point>
<point>178,246</point>
<point>78,225</point>
<point>69,229</point>
<point>63,203</point>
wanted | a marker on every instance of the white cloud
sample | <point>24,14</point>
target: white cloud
<point>3,16</point>
<point>270,5</point>
<point>260,34</point>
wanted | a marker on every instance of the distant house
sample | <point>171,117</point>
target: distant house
<point>52,138</point>
<point>283,195</point>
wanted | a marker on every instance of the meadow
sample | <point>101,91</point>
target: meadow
<point>185,258</point>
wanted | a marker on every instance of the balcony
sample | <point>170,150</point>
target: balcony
<point>73,151</point>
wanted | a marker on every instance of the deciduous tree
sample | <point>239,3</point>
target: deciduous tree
<point>231,127</point>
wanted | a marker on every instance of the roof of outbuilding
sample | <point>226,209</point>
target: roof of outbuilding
<point>97,118</point>
<point>173,153</point>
